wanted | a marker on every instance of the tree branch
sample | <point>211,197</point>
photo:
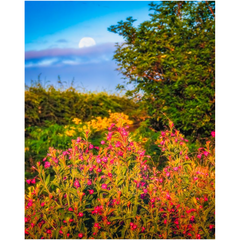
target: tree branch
<point>210,9</point>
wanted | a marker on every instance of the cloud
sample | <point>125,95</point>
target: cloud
<point>93,76</point>
<point>70,56</point>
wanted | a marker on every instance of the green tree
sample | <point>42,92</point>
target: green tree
<point>170,60</point>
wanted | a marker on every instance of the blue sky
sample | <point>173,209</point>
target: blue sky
<point>53,31</point>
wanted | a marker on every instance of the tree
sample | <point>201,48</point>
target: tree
<point>171,60</point>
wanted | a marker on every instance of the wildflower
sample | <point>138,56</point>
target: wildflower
<point>99,170</point>
<point>102,142</point>
<point>109,174</point>
<point>163,133</point>
<point>70,220</point>
<point>162,142</point>
<point>89,182</point>
<point>175,168</point>
<point>96,225</point>
<point>165,221</point>
<point>98,160</point>
<point>70,209</point>
<point>104,186</point>
<point>213,133</point>
<point>80,214</point>
<point>90,146</point>
<point>76,184</point>
<point>211,226</point>
<point>49,231</point>
<point>80,235</point>
<point>168,174</point>
<point>28,181</point>
<point>42,204</point>
<point>118,144</point>
<point>206,153</point>
<point>152,200</point>
<point>91,191</point>
<point>199,156</point>
<point>105,159</point>
<point>47,164</point>
<point>120,153</point>
<point>186,157</point>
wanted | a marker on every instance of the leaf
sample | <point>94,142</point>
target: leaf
<point>47,180</point>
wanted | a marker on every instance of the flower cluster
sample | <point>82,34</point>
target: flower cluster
<point>112,192</point>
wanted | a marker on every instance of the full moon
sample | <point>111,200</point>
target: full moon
<point>86,42</point>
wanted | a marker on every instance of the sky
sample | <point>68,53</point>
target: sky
<point>54,29</point>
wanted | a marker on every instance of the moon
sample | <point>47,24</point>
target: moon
<point>86,42</point>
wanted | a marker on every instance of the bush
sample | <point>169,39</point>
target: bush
<point>111,192</point>
<point>44,105</point>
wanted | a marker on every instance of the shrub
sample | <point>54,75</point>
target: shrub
<point>58,106</point>
<point>111,192</point>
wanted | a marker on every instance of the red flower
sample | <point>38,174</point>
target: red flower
<point>165,221</point>
<point>109,174</point>
<point>49,231</point>
<point>70,220</point>
<point>91,191</point>
<point>80,235</point>
<point>96,225</point>
<point>33,181</point>
<point>47,165</point>
<point>70,209</point>
<point>89,182</point>
<point>76,184</point>
<point>211,226</point>
<point>213,133</point>
<point>104,186</point>
<point>28,181</point>
<point>42,204</point>
<point>80,214</point>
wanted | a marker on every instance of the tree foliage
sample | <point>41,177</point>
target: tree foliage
<point>170,59</point>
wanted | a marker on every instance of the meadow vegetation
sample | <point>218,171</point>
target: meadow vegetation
<point>133,166</point>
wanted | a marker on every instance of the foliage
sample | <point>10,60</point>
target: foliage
<point>170,59</point>
<point>111,192</point>
<point>48,104</point>
<point>53,135</point>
